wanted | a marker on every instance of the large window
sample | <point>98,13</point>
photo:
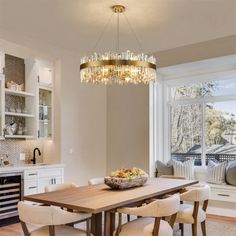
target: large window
<point>202,121</point>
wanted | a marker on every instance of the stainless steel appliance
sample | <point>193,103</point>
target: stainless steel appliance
<point>11,192</point>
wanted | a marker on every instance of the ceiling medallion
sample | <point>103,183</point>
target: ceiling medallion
<point>118,67</point>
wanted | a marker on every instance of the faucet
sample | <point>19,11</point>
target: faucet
<point>34,157</point>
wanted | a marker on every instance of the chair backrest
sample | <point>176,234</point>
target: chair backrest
<point>58,187</point>
<point>171,177</point>
<point>45,215</point>
<point>197,194</point>
<point>158,208</point>
<point>95,181</point>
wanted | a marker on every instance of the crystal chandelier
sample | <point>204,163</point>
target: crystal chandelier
<point>118,67</point>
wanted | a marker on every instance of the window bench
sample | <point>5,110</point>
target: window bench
<point>223,196</point>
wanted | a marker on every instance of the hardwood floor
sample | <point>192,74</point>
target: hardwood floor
<point>13,230</point>
<point>216,226</point>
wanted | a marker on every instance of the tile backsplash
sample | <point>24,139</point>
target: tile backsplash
<point>13,148</point>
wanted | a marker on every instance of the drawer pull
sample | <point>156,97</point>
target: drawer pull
<point>32,174</point>
<point>32,187</point>
<point>223,195</point>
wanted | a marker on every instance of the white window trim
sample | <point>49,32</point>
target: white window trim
<point>159,129</point>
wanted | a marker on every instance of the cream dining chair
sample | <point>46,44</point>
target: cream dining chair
<point>85,217</point>
<point>150,223</point>
<point>171,177</point>
<point>95,181</point>
<point>58,187</point>
<point>52,221</point>
<point>194,213</point>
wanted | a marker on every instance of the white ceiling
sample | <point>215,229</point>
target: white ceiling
<point>160,24</point>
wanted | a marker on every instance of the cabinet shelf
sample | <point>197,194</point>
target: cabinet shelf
<point>45,106</point>
<point>18,93</point>
<point>20,136</point>
<point>19,114</point>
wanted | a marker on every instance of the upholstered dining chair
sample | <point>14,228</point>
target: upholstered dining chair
<point>52,221</point>
<point>85,217</point>
<point>58,187</point>
<point>95,181</point>
<point>172,177</point>
<point>194,213</point>
<point>150,223</point>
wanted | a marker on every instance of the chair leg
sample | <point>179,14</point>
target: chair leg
<point>88,233</point>
<point>194,229</point>
<point>203,225</point>
<point>181,227</point>
<point>51,230</point>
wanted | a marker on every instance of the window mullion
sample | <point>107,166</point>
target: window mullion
<point>203,134</point>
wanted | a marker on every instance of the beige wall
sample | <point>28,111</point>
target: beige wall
<point>128,107</point>
<point>83,125</point>
<point>127,126</point>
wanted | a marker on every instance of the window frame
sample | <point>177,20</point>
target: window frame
<point>160,102</point>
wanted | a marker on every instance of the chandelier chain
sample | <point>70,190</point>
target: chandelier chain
<point>133,32</point>
<point>118,33</point>
<point>102,33</point>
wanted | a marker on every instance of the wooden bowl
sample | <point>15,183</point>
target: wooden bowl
<point>125,183</point>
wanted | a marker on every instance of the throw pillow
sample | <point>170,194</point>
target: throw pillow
<point>164,169</point>
<point>231,173</point>
<point>184,169</point>
<point>216,172</point>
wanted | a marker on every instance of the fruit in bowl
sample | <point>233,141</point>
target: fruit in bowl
<point>126,178</point>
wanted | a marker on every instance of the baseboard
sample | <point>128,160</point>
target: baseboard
<point>221,218</point>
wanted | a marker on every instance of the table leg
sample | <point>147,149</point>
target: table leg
<point>109,224</point>
<point>112,223</point>
<point>96,224</point>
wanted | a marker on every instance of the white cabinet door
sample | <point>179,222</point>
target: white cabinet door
<point>36,180</point>
<point>30,186</point>
<point>58,180</point>
<point>45,73</point>
<point>43,182</point>
<point>2,62</point>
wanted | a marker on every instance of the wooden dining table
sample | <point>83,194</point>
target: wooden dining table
<point>100,198</point>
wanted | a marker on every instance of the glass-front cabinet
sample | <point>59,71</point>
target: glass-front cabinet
<point>45,99</point>
<point>26,98</point>
<point>45,113</point>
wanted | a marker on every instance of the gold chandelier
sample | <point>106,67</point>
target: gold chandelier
<point>118,67</point>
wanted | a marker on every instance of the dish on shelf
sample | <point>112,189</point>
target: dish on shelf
<point>14,86</point>
<point>126,178</point>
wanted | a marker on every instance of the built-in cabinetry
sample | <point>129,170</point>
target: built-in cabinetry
<point>26,98</point>
<point>2,62</point>
<point>223,196</point>
<point>35,180</point>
